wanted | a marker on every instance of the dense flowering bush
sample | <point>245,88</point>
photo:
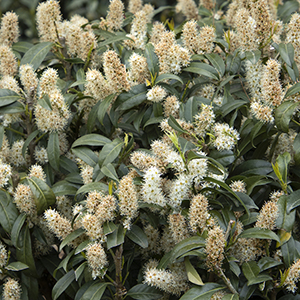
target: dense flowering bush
<point>148,160</point>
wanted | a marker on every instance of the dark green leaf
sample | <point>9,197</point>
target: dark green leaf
<point>230,106</point>
<point>231,297</point>
<point>78,82</point>
<point>93,186</point>
<point>144,292</point>
<point>285,219</point>
<point>110,171</point>
<point>287,53</point>
<point>53,150</point>
<point>152,60</point>
<point>259,233</point>
<point>16,266</point>
<point>233,63</point>
<point>87,155</point>
<point>92,117</point>
<point>296,147</point>
<point>109,227</point>
<point>217,62</point>
<point>180,249</point>
<point>8,212</point>
<point>153,121</point>
<point>163,77</point>
<point>267,262</point>
<point>289,252</point>
<point>80,270</point>
<point>71,237</point>
<point>82,246</point>
<point>24,252</point>
<point>36,54</point>
<point>202,69</point>
<point>227,188</point>
<point>104,105</point>
<point>137,235</point>
<point>259,279</point>
<point>62,284</point>
<point>293,90</point>
<point>110,152</point>
<point>202,292</point>
<point>17,228</point>
<point>250,269</point>
<point>28,140</point>
<point>134,97</point>
<point>174,124</point>
<point>64,188</point>
<point>92,139</point>
<point>43,194</point>
<point>13,108</point>
<point>116,238</point>
<point>283,115</point>
<point>8,97</point>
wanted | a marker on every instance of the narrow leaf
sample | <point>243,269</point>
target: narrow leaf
<point>144,292</point>
<point>259,233</point>
<point>137,235</point>
<point>62,284</point>
<point>8,97</point>
<point>36,54</point>
<point>71,237</point>
<point>17,228</point>
<point>43,194</point>
<point>192,274</point>
<point>53,150</point>
<point>283,115</point>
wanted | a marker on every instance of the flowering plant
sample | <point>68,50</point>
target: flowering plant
<point>144,160</point>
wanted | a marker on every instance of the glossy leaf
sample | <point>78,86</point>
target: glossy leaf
<point>287,53</point>
<point>116,238</point>
<point>36,54</point>
<point>24,252</point>
<point>17,228</point>
<point>259,233</point>
<point>192,274</point>
<point>180,249</point>
<point>62,284</point>
<point>8,211</point>
<point>71,237</point>
<point>64,188</point>
<point>110,171</point>
<point>202,292</point>
<point>134,97</point>
<point>152,60</point>
<point>87,155</point>
<point>8,97</point>
<point>137,235</point>
<point>43,194</point>
<point>217,62</point>
<point>202,69</point>
<point>53,150</point>
<point>144,292</point>
<point>92,139</point>
<point>30,138</point>
<point>110,152</point>
<point>163,77</point>
<point>16,266</point>
<point>93,186</point>
<point>104,105</point>
<point>283,115</point>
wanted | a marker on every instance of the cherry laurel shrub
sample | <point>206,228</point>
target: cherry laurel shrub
<point>147,160</point>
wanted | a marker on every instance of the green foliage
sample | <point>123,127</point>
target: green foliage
<point>146,166</point>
